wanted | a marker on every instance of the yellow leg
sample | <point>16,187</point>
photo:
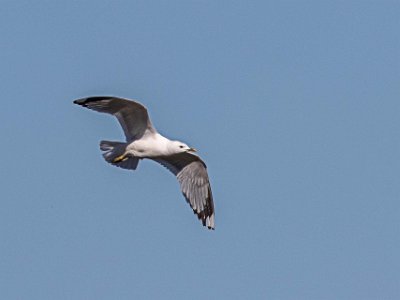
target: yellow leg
<point>120,158</point>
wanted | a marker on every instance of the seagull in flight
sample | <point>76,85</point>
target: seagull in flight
<point>143,141</point>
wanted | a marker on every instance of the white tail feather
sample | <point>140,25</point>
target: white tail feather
<point>112,150</point>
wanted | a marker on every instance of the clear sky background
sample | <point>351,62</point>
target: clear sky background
<point>294,106</point>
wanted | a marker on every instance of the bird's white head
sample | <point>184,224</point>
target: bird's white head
<point>179,147</point>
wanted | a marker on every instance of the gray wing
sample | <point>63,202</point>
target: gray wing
<point>132,115</point>
<point>191,173</point>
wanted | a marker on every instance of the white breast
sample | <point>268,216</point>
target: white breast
<point>149,146</point>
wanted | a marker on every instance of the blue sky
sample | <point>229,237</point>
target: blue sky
<point>294,106</point>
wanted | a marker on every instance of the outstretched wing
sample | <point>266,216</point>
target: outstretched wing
<point>191,173</point>
<point>132,115</point>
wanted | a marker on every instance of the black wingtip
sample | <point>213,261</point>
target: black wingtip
<point>79,101</point>
<point>84,101</point>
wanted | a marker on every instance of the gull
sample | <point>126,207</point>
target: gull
<point>143,141</point>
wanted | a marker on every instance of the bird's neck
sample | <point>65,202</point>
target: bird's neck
<point>165,144</point>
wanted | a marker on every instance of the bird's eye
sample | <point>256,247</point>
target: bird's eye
<point>180,146</point>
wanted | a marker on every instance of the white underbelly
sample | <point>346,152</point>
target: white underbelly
<point>146,148</point>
